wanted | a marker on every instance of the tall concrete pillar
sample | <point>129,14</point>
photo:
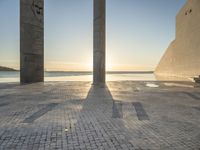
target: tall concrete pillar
<point>31,41</point>
<point>99,38</point>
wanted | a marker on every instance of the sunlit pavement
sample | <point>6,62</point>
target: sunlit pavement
<point>123,115</point>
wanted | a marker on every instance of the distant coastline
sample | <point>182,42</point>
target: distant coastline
<point>129,72</point>
<point>84,72</point>
<point>7,69</point>
<point>14,76</point>
<point>108,72</point>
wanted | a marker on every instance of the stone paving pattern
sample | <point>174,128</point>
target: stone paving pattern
<point>122,116</point>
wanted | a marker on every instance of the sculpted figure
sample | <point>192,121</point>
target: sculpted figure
<point>37,7</point>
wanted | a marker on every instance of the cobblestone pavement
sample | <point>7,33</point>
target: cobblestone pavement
<point>124,115</point>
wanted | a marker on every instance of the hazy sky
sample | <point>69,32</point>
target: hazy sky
<point>138,33</point>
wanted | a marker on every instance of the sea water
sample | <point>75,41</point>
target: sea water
<point>13,76</point>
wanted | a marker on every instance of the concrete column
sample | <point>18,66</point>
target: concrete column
<point>99,38</point>
<point>31,41</point>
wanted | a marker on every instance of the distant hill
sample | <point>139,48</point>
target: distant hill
<point>6,69</point>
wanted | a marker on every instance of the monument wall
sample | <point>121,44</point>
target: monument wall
<point>182,57</point>
<point>31,41</point>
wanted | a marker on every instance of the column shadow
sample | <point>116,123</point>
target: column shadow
<point>101,119</point>
<point>100,98</point>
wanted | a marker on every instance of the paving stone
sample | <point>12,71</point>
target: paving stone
<point>76,115</point>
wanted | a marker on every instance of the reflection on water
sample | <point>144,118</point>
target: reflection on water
<point>9,76</point>
<point>171,78</point>
<point>13,76</point>
<point>152,85</point>
<point>179,85</point>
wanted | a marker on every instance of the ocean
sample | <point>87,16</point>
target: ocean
<point>13,76</point>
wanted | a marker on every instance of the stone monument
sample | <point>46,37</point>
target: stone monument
<point>31,41</point>
<point>182,58</point>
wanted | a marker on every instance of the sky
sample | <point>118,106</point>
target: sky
<point>137,33</point>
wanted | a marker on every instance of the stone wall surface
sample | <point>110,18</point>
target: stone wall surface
<point>99,42</point>
<point>31,41</point>
<point>182,58</point>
